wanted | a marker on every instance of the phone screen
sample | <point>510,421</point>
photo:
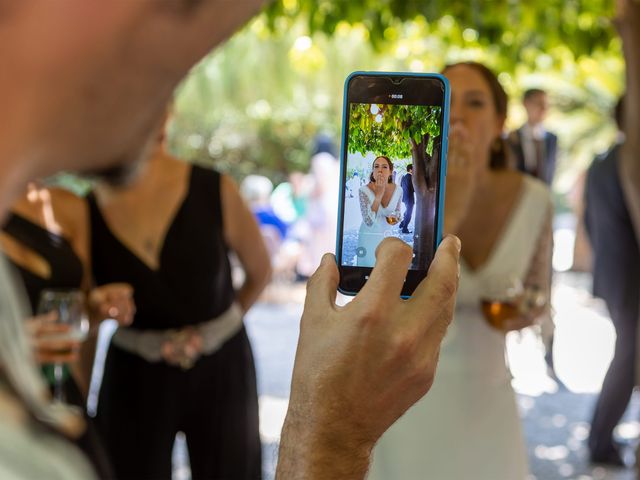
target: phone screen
<point>392,161</point>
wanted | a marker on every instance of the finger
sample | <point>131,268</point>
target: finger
<point>35,323</point>
<point>393,257</point>
<point>322,287</point>
<point>517,323</point>
<point>440,286</point>
<point>44,358</point>
<point>57,345</point>
<point>46,329</point>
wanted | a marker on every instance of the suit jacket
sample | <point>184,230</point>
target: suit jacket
<point>515,140</point>
<point>616,256</point>
<point>407,188</point>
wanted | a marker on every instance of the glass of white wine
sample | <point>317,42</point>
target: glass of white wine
<point>69,304</point>
<point>501,300</point>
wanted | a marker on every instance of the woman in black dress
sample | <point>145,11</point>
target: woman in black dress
<point>185,363</point>
<point>45,239</point>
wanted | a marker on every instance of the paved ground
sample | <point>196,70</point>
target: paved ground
<point>556,420</point>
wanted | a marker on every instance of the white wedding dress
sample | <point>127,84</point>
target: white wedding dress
<point>374,227</point>
<point>468,427</point>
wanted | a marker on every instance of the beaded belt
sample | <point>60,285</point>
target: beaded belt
<point>184,346</point>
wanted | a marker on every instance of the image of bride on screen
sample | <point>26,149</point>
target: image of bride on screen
<point>380,202</point>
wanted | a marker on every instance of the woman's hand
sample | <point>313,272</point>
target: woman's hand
<point>113,300</point>
<point>49,341</point>
<point>379,186</point>
<point>530,316</point>
<point>461,178</point>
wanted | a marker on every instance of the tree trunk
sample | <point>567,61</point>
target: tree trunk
<point>424,184</point>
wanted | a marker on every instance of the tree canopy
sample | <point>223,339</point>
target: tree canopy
<point>514,26</point>
<point>387,129</point>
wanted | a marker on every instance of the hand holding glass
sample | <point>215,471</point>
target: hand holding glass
<point>506,299</point>
<point>69,306</point>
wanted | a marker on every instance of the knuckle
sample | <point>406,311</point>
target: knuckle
<point>403,347</point>
<point>370,317</point>
<point>422,379</point>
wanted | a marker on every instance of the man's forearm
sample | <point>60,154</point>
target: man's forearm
<point>312,452</point>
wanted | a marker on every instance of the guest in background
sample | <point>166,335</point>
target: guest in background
<point>185,364</point>
<point>256,191</point>
<point>46,239</point>
<point>534,147</point>
<point>408,198</point>
<point>616,279</point>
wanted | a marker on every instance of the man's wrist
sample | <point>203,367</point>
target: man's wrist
<point>330,449</point>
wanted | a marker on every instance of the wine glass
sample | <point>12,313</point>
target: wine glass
<point>392,219</point>
<point>69,305</point>
<point>501,300</point>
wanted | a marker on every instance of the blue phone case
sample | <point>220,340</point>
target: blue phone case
<point>443,154</point>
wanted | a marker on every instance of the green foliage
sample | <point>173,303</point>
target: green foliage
<point>387,129</point>
<point>512,26</point>
<point>255,104</point>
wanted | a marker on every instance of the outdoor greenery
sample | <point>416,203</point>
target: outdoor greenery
<point>387,129</point>
<point>255,104</point>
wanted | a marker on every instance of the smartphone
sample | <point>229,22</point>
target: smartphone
<point>393,167</point>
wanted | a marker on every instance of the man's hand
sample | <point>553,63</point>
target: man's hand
<point>360,367</point>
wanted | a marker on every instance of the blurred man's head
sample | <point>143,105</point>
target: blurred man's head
<point>86,82</point>
<point>536,104</point>
<point>410,168</point>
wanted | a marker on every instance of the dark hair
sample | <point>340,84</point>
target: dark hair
<point>532,92</point>
<point>618,113</point>
<point>410,167</point>
<point>499,154</point>
<point>371,179</point>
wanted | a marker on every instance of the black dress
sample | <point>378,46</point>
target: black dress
<point>66,273</point>
<point>143,405</point>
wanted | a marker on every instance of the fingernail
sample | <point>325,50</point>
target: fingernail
<point>457,242</point>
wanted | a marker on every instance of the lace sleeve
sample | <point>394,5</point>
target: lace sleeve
<point>398,210</point>
<point>368,215</point>
<point>539,274</point>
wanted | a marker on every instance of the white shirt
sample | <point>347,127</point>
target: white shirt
<point>529,136</point>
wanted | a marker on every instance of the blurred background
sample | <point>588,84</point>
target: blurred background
<point>256,106</point>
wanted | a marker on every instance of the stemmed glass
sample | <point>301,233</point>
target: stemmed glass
<point>501,299</point>
<point>69,305</point>
<point>505,298</point>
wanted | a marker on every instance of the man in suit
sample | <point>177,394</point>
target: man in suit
<point>407,198</point>
<point>616,279</point>
<point>534,147</point>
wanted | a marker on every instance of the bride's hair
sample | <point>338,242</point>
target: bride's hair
<point>371,179</point>
<point>499,157</point>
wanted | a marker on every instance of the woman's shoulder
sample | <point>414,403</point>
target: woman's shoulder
<point>537,190</point>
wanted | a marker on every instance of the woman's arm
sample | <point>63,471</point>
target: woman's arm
<point>538,278</point>
<point>243,236</point>
<point>368,210</point>
<point>398,209</point>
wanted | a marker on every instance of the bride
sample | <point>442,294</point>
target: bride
<point>468,426</point>
<point>380,202</point>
